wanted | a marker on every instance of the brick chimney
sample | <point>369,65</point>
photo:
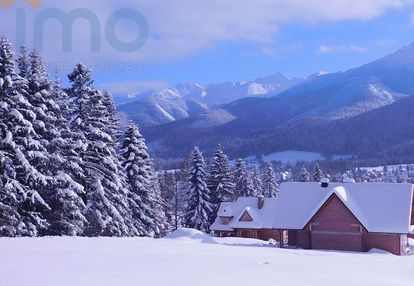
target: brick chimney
<point>325,182</point>
<point>260,202</point>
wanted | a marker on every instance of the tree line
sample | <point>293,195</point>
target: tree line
<point>65,169</point>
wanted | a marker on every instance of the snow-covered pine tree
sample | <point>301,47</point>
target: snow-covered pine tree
<point>11,197</point>
<point>257,181</point>
<point>62,193</point>
<point>242,180</point>
<point>270,186</point>
<point>219,180</point>
<point>66,216</point>
<point>138,168</point>
<point>179,197</point>
<point>19,146</point>
<point>318,175</point>
<point>168,184</point>
<point>162,221</point>
<point>113,127</point>
<point>12,192</point>
<point>106,193</point>
<point>199,204</point>
<point>304,175</point>
<point>23,62</point>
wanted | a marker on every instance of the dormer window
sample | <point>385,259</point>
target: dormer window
<point>225,220</point>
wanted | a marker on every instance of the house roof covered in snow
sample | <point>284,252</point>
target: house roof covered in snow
<point>379,207</point>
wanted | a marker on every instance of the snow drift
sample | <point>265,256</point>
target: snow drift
<point>191,235</point>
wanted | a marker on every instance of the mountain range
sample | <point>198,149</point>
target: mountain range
<point>355,112</point>
<point>191,99</point>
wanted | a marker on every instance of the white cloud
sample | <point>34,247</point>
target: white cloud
<point>324,49</point>
<point>182,28</point>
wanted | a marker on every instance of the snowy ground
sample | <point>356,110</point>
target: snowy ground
<point>293,156</point>
<point>189,259</point>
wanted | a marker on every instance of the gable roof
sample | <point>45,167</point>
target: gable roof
<point>379,207</point>
<point>326,204</point>
<point>255,223</point>
<point>246,216</point>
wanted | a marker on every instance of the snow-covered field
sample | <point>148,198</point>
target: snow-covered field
<point>189,258</point>
<point>293,156</point>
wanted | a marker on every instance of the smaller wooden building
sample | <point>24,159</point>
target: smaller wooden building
<point>333,216</point>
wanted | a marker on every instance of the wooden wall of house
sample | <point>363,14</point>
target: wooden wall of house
<point>263,234</point>
<point>412,213</point>
<point>247,233</point>
<point>412,218</point>
<point>304,239</point>
<point>384,241</point>
<point>335,227</point>
<point>266,234</point>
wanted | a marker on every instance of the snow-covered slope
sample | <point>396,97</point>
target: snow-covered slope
<point>167,107</point>
<point>140,261</point>
<point>320,98</point>
<point>185,100</point>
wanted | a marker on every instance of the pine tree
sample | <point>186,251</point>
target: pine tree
<point>318,175</point>
<point>66,216</point>
<point>199,204</point>
<point>146,203</point>
<point>270,186</point>
<point>304,175</point>
<point>180,196</point>
<point>20,147</point>
<point>167,184</point>
<point>23,63</point>
<point>105,186</point>
<point>219,181</point>
<point>257,182</point>
<point>113,127</point>
<point>243,181</point>
<point>162,223</point>
<point>12,192</point>
<point>62,193</point>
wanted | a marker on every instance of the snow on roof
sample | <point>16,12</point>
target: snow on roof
<point>226,210</point>
<point>256,222</point>
<point>379,207</point>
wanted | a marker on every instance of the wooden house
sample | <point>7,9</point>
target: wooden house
<point>332,216</point>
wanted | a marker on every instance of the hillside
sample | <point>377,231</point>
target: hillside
<point>191,99</point>
<point>386,131</point>
<point>340,113</point>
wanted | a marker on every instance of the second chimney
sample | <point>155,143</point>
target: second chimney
<point>260,202</point>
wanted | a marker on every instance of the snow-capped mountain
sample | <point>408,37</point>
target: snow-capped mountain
<point>166,107</point>
<point>188,99</point>
<point>320,98</point>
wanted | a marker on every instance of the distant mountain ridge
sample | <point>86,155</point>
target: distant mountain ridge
<point>246,126</point>
<point>189,99</point>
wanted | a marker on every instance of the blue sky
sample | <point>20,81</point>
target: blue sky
<point>296,52</point>
<point>219,40</point>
